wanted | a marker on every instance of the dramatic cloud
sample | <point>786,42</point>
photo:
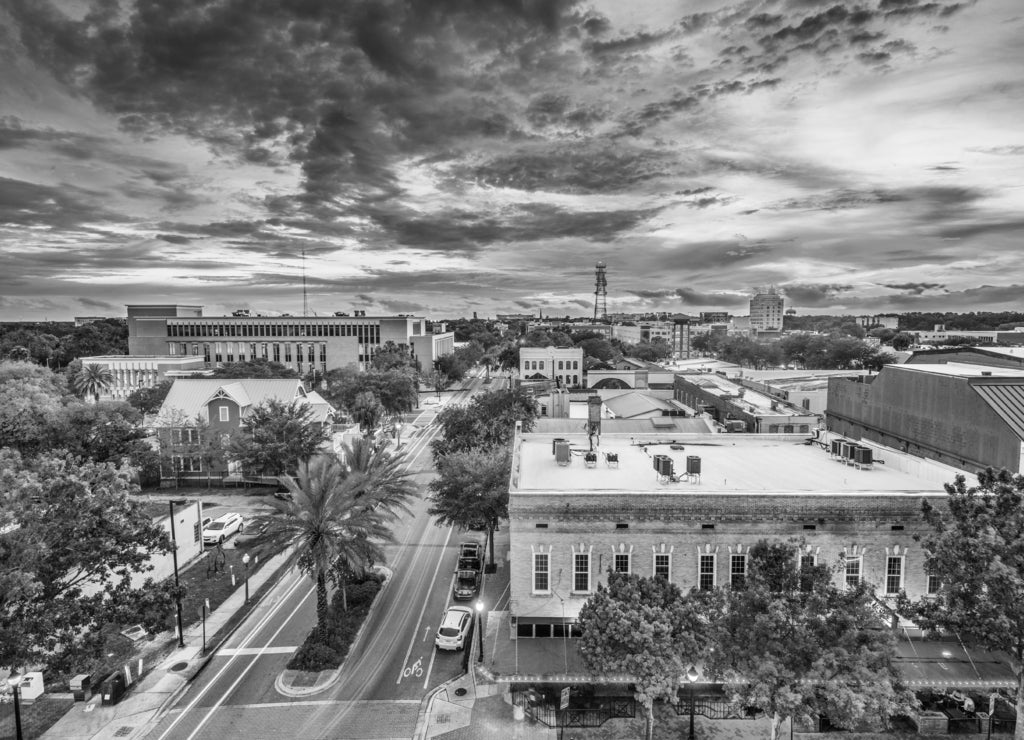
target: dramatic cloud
<point>450,156</point>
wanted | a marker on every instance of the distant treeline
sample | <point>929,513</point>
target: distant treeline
<point>918,321</point>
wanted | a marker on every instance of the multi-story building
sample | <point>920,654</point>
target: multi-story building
<point>966,415</point>
<point>130,374</point>
<point>561,364</point>
<point>884,320</point>
<point>688,508</point>
<point>714,317</point>
<point>741,409</point>
<point>940,335</point>
<point>219,406</point>
<point>766,310</point>
<point>320,343</point>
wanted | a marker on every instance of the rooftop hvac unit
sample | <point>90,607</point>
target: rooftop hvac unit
<point>664,465</point>
<point>863,456</point>
<point>562,454</point>
<point>846,449</point>
<point>692,465</point>
<point>836,447</point>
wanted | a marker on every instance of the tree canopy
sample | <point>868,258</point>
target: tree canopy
<point>976,551</point>
<point>275,437</point>
<point>149,400</point>
<point>644,628</point>
<point>395,389</point>
<point>792,643</point>
<point>487,421</point>
<point>255,368</point>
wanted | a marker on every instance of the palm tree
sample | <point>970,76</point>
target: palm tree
<point>379,476</point>
<point>92,380</point>
<point>334,526</point>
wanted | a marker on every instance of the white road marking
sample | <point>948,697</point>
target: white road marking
<point>319,703</point>
<point>423,608</point>
<point>258,651</point>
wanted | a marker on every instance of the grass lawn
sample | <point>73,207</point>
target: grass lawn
<point>36,718</point>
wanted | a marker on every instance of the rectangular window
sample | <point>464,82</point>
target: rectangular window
<point>541,567</point>
<point>738,571</point>
<point>312,354</point>
<point>581,572</point>
<point>893,575</point>
<point>277,352</point>
<point>933,585</point>
<point>622,562</point>
<point>288,352</point>
<point>223,410</point>
<point>706,580</point>
<point>231,351</point>
<point>806,577</point>
<point>663,566</point>
<point>853,574</point>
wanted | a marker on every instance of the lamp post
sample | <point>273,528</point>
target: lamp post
<point>177,586</point>
<point>480,628</point>
<point>398,431</point>
<point>245,562</point>
<point>691,677</point>
<point>15,684</point>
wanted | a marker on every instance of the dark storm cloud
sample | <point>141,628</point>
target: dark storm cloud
<point>66,207</point>
<point>815,295</point>
<point>653,294</point>
<point>523,304</point>
<point>694,297</point>
<point>95,303</point>
<point>637,41</point>
<point>174,238</point>
<point>1008,225</point>
<point>968,299</point>
<point>914,288</point>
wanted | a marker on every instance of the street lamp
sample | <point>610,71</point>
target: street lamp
<point>398,431</point>
<point>691,677</point>
<point>177,586</point>
<point>245,562</point>
<point>15,684</point>
<point>480,628</point>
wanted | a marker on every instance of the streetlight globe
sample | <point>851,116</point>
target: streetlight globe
<point>245,558</point>
<point>692,675</point>
<point>14,681</point>
<point>479,605</point>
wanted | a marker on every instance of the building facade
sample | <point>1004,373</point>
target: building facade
<point>741,409</point>
<point>561,364</point>
<point>130,374</point>
<point>766,311</point>
<point>968,416</point>
<point>320,343</point>
<point>571,520</point>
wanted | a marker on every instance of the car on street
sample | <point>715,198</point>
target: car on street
<point>471,555</point>
<point>467,584</point>
<point>221,528</point>
<point>251,530</point>
<point>451,635</point>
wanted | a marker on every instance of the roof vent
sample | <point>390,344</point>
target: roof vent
<point>986,372</point>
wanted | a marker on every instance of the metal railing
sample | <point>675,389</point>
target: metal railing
<point>583,712</point>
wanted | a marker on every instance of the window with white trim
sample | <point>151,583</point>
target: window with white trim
<point>581,572</point>
<point>893,574</point>
<point>853,570</point>
<point>934,584</point>
<point>224,413</point>
<point>541,571</point>
<point>807,563</point>
<point>706,575</point>
<point>663,565</point>
<point>737,570</point>
<point>622,562</point>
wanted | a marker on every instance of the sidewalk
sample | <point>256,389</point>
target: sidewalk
<point>134,714</point>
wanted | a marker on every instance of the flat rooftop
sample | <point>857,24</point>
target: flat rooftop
<point>752,401</point>
<point>730,463</point>
<point>965,370</point>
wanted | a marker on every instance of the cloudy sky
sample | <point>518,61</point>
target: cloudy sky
<point>450,156</point>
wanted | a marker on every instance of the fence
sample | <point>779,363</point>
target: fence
<point>583,711</point>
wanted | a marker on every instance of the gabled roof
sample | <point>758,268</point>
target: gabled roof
<point>189,397</point>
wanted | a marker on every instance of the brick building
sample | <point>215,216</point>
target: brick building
<point>571,521</point>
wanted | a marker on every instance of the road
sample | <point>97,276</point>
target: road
<point>389,669</point>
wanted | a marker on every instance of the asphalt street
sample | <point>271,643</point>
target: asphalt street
<point>389,669</point>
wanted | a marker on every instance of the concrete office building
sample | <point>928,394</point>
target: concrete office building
<point>562,364</point>
<point>766,310</point>
<point>322,343</point>
<point>132,373</point>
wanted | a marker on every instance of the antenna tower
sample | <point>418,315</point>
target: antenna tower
<point>305,298</point>
<point>600,292</point>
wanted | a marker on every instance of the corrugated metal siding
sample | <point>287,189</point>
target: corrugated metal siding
<point>1007,400</point>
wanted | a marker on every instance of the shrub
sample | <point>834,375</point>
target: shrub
<point>313,656</point>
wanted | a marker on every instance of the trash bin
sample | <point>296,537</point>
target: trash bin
<point>112,688</point>
<point>81,687</point>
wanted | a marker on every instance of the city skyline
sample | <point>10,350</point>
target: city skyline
<point>448,157</point>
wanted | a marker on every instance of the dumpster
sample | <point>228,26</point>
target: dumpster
<point>31,687</point>
<point>113,688</point>
<point>81,687</point>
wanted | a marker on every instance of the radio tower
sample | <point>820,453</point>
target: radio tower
<point>600,292</point>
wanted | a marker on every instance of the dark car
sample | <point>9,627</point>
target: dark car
<point>467,584</point>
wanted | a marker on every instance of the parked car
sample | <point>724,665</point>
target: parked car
<point>470,556</point>
<point>284,495</point>
<point>250,531</point>
<point>451,635</point>
<point>221,528</point>
<point>467,584</point>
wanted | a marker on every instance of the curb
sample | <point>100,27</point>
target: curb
<point>285,690</point>
<point>427,705</point>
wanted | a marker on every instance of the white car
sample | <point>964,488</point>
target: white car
<point>221,528</point>
<point>451,635</point>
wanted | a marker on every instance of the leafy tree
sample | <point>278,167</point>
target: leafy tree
<point>902,341</point>
<point>508,357</point>
<point>537,338</point>
<point>795,645</point>
<point>471,489</point>
<point>396,389</point>
<point>19,353</point>
<point>275,437</point>
<point>93,380</point>
<point>106,337</point>
<point>367,411</point>
<point>439,381</point>
<point>40,376</point>
<point>149,400</point>
<point>67,569</point>
<point>599,348</point>
<point>256,368</point>
<point>108,432</point>
<point>452,366</point>
<point>391,356</point>
<point>644,628</point>
<point>975,550</point>
<point>379,476</point>
<point>488,421</point>
<point>29,410</point>
<point>332,526</point>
